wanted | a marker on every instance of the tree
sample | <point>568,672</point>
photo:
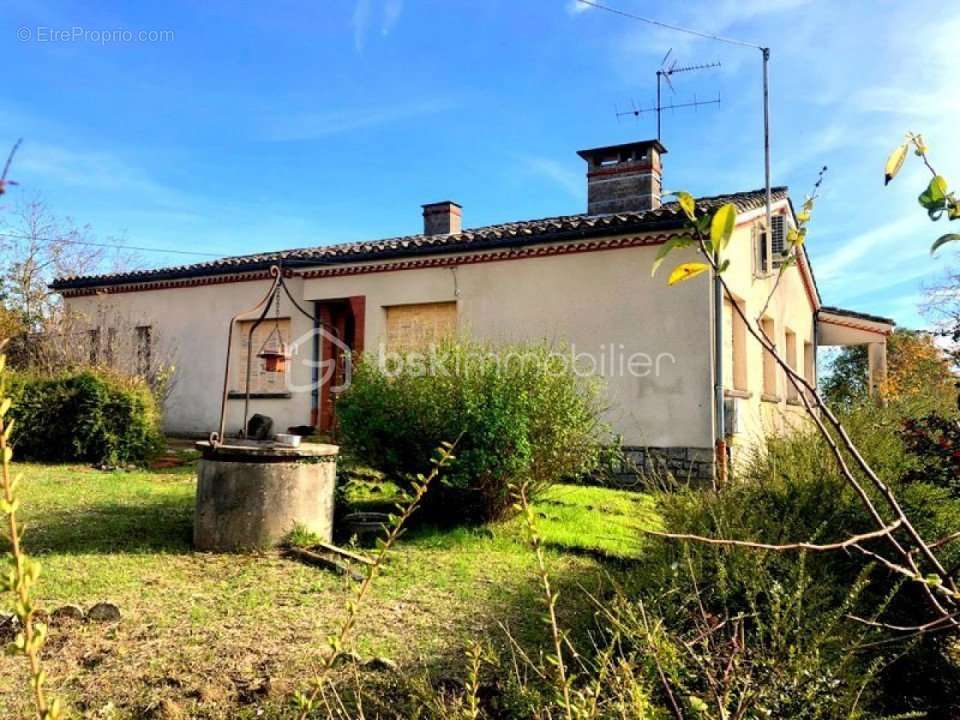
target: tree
<point>35,247</point>
<point>916,369</point>
<point>942,307</point>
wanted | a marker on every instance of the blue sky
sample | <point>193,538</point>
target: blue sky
<point>262,126</point>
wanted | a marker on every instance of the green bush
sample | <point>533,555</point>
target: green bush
<point>90,416</point>
<point>524,414</point>
<point>792,491</point>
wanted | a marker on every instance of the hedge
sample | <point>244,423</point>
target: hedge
<point>525,416</point>
<point>89,416</point>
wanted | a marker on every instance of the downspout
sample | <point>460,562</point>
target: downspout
<point>719,440</point>
<point>816,349</point>
<point>315,368</point>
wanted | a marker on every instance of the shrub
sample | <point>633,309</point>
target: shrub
<point>792,491</point>
<point>524,413</point>
<point>934,440</point>
<point>94,417</point>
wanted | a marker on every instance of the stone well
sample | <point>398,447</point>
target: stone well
<point>250,495</point>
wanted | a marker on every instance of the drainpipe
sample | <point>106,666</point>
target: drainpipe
<point>315,351</point>
<point>720,443</point>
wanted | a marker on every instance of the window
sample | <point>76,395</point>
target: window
<point>416,327</point>
<point>769,364</point>
<point>734,347</point>
<point>791,351</point>
<point>261,381</point>
<point>93,342</point>
<point>109,354</point>
<point>144,349</point>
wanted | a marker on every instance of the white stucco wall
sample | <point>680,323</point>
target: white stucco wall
<point>603,303</point>
<point>790,309</point>
<point>190,326</point>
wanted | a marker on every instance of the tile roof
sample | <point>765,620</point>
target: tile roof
<point>856,315</point>
<point>528,232</point>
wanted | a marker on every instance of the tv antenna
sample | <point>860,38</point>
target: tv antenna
<point>668,68</point>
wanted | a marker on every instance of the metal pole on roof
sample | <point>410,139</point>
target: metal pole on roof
<point>718,307</point>
<point>766,139</point>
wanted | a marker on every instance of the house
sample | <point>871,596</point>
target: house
<point>582,279</point>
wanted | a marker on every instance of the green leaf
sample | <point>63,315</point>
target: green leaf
<point>697,704</point>
<point>666,248</point>
<point>686,271</point>
<point>703,224</point>
<point>688,204</point>
<point>943,240</point>
<point>894,163</point>
<point>934,197</point>
<point>721,227</point>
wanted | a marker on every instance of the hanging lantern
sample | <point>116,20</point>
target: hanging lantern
<point>274,352</point>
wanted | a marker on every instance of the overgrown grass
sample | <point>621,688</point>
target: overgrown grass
<point>226,636</point>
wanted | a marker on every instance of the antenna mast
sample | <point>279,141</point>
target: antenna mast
<point>664,73</point>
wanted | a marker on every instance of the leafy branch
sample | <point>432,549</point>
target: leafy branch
<point>935,199</point>
<point>4,181</point>
<point>711,234</point>
<point>305,703</point>
<point>550,597</point>
<point>21,572</point>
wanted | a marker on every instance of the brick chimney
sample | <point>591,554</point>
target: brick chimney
<point>441,218</point>
<point>623,178</point>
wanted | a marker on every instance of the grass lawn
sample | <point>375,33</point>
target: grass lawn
<point>230,636</point>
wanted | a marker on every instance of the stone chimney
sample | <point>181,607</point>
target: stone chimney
<point>441,218</point>
<point>623,178</point>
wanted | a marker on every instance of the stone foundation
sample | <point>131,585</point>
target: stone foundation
<point>694,465</point>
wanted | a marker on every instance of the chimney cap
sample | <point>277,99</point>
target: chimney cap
<point>442,203</point>
<point>638,145</point>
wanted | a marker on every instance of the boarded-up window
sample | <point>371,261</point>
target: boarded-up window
<point>261,381</point>
<point>416,327</point>
<point>93,345</point>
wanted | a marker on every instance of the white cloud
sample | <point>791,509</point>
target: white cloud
<point>309,125</point>
<point>859,248</point>
<point>94,170</point>
<point>360,22</point>
<point>363,16</point>
<point>391,13</point>
<point>575,7</point>
<point>570,182</point>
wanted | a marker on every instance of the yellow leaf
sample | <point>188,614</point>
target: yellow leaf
<point>721,227</point>
<point>667,248</point>
<point>686,271</point>
<point>688,204</point>
<point>894,163</point>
